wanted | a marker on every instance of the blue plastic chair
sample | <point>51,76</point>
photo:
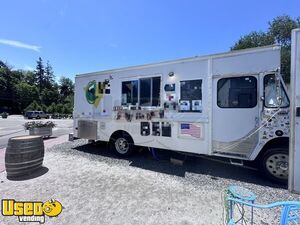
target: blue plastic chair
<point>290,214</point>
<point>243,194</point>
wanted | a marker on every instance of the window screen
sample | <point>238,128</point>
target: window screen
<point>129,92</point>
<point>237,92</point>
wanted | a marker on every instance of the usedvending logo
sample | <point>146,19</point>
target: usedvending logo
<point>31,211</point>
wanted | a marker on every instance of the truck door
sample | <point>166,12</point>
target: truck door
<point>235,115</point>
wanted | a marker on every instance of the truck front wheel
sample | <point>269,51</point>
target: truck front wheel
<point>122,145</point>
<point>275,164</point>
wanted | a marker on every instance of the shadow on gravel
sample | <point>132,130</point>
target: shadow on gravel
<point>35,174</point>
<point>49,138</point>
<point>192,164</point>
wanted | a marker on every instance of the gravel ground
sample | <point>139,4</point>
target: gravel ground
<point>96,188</point>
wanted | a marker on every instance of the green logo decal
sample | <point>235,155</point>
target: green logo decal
<point>92,94</point>
<point>94,91</point>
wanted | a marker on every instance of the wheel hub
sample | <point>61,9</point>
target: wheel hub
<point>122,145</point>
<point>278,165</point>
<point>283,165</point>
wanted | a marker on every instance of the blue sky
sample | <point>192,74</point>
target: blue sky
<point>82,36</point>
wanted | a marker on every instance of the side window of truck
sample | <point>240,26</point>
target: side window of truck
<point>237,92</point>
<point>191,96</point>
<point>150,91</point>
<point>191,90</point>
<point>130,92</point>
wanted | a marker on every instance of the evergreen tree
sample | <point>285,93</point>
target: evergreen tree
<point>30,78</point>
<point>39,73</point>
<point>3,65</point>
<point>49,76</point>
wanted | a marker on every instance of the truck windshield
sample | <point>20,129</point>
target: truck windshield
<point>274,97</point>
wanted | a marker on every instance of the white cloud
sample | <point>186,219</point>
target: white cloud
<point>19,44</point>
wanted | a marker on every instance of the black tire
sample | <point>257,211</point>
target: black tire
<point>274,164</point>
<point>122,145</point>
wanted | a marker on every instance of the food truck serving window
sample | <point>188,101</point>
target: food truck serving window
<point>237,92</point>
<point>145,91</point>
<point>150,91</point>
<point>130,92</point>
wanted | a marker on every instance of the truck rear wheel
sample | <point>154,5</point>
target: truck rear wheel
<point>122,145</point>
<point>275,164</point>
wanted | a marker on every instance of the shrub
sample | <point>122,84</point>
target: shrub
<point>36,124</point>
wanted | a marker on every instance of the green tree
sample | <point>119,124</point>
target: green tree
<point>254,39</point>
<point>66,87</point>
<point>59,108</point>
<point>44,107</point>
<point>30,77</point>
<point>52,108</point>
<point>8,80</point>
<point>3,64</point>
<point>26,94</point>
<point>33,106</point>
<point>39,73</point>
<point>279,32</point>
<point>280,28</point>
<point>48,96</point>
<point>19,88</point>
<point>68,104</point>
<point>49,76</point>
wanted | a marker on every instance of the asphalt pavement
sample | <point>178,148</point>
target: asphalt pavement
<point>13,126</point>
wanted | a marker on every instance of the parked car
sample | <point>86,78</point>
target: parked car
<point>36,115</point>
<point>4,115</point>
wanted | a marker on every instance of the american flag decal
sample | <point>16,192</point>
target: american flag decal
<point>190,129</point>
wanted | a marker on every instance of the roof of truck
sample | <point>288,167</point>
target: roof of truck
<point>189,59</point>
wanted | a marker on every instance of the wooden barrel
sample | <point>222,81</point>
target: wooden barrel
<point>24,154</point>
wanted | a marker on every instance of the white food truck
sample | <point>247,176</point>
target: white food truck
<point>232,105</point>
